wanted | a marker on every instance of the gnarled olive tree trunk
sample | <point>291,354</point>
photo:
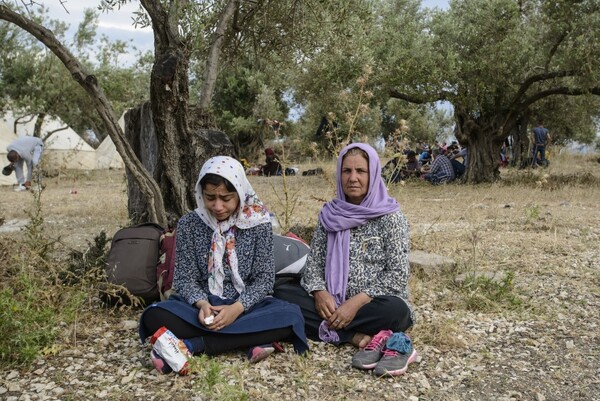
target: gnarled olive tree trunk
<point>172,138</point>
<point>141,134</point>
<point>520,141</point>
<point>483,139</point>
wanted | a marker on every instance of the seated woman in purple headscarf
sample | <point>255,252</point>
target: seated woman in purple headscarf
<point>355,287</point>
<point>224,272</point>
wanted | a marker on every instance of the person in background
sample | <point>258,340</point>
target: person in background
<point>540,138</point>
<point>224,273</point>
<point>460,167</point>
<point>395,172</point>
<point>355,286</point>
<point>461,153</point>
<point>412,167</point>
<point>425,156</point>
<point>272,165</point>
<point>441,170</point>
<point>26,150</point>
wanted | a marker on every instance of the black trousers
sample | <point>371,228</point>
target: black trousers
<point>214,344</point>
<point>382,313</point>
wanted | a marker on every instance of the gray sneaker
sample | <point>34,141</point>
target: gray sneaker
<point>368,357</point>
<point>394,363</point>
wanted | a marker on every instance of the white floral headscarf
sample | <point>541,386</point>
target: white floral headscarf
<point>251,213</point>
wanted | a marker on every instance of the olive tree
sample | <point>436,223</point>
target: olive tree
<point>494,61</point>
<point>184,31</point>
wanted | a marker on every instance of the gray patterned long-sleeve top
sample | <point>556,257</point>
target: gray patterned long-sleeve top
<point>254,248</point>
<point>378,258</point>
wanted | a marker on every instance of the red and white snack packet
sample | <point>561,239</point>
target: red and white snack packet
<point>171,349</point>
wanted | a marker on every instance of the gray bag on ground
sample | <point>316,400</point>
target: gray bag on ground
<point>131,262</point>
<point>290,256</point>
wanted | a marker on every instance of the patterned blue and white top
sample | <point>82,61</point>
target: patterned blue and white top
<point>254,247</point>
<point>378,258</point>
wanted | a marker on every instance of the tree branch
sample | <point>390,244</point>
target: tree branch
<point>561,90</point>
<point>147,184</point>
<point>538,78</point>
<point>212,61</point>
<point>554,49</point>
<point>419,99</point>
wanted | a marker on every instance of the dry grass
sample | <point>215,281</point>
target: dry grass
<point>531,216</point>
<point>76,205</point>
<point>542,226</point>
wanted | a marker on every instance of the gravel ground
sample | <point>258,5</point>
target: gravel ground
<point>496,357</point>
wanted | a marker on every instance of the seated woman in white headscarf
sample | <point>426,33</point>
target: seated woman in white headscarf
<point>224,271</point>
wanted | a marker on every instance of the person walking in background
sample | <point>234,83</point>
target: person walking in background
<point>25,150</point>
<point>355,286</point>
<point>224,273</point>
<point>540,138</point>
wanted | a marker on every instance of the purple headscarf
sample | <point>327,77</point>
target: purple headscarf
<point>337,218</point>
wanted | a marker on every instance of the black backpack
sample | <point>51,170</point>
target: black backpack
<point>131,263</point>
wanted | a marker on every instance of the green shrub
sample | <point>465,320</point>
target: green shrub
<point>30,319</point>
<point>482,293</point>
<point>35,305</point>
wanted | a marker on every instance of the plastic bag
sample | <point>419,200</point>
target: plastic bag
<point>172,350</point>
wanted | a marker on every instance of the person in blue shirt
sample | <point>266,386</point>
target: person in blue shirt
<point>424,157</point>
<point>540,138</point>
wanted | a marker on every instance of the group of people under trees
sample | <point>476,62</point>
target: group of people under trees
<point>437,164</point>
<point>354,289</point>
<point>443,163</point>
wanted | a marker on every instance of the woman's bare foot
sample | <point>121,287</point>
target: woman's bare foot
<point>360,340</point>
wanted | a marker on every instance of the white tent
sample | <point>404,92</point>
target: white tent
<point>107,155</point>
<point>66,149</point>
<point>6,137</point>
<point>63,149</point>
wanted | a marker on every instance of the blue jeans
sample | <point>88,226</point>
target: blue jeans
<point>541,150</point>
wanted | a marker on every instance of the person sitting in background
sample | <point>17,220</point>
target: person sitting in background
<point>355,286</point>
<point>441,170</point>
<point>395,171</point>
<point>503,156</point>
<point>24,150</point>
<point>224,272</point>
<point>412,167</point>
<point>272,165</point>
<point>459,166</point>
<point>425,157</point>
